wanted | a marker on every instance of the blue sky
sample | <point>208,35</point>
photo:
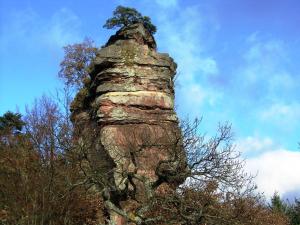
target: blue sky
<point>238,61</point>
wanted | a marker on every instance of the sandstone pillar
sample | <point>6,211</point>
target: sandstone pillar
<point>127,113</point>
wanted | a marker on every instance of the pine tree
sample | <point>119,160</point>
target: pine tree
<point>125,16</point>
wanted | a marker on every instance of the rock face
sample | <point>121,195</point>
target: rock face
<point>124,117</point>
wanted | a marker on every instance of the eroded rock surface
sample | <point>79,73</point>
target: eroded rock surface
<point>125,116</point>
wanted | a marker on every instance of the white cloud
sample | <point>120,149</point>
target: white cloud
<point>282,81</point>
<point>208,66</point>
<point>198,94</point>
<point>254,145</point>
<point>265,68</point>
<point>195,95</point>
<point>264,59</point>
<point>20,25</point>
<point>266,84</point>
<point>285,115</point>
<point>61,28</point>
<point>277,171</point>
<point>280,111</point>
<point>270,50</point>
<point>167,3</point>
<point>184,38</point>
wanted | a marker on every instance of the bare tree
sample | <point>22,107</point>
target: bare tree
<point>213,174</point>
<point>48,128</point>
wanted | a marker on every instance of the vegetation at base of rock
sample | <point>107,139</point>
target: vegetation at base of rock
<point>41,184</point>
<point>37,175</point>
<point>125,16</point>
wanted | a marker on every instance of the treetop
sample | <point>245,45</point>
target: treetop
<point>125,16</point>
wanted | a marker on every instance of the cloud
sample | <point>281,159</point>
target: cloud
<point>19,25</point>
<point>33,29</point>
<point>285,115</point>
<point>32,41</point>
<point>271,50</point>
<point>265,86</point>
<point>265,74</point>
<point>63,27</point>
<point>275,166</point>
<point>281,111</point>
<point>263,60</point>
<point>184,37</point>
<point>278,170</point>
<point>254,145</point>
<point>167,3</point>
<point>193,97</point>
<point>269,89</point>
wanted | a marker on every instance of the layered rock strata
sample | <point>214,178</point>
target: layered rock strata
<point>125,119</point>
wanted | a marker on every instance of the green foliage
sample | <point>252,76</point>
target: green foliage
<point>277,205</point>
<point>11,122</point>
<point>294,212</point>
<point>289,210</point>
<point>125,16</point>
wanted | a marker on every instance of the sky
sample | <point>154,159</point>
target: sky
<point>238,62</point>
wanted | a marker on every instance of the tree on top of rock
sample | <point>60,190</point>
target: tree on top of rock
<point>125,16</point>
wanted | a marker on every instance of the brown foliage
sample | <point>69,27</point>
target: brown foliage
<point>75,63</point>
<point>217,191</point>
<point>37,178</point>
<point>42,182</point>
<point>207,206</point>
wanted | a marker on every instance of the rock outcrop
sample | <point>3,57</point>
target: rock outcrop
<point>126,123</point>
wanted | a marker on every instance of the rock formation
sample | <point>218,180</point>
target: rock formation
<point>126,126</point>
